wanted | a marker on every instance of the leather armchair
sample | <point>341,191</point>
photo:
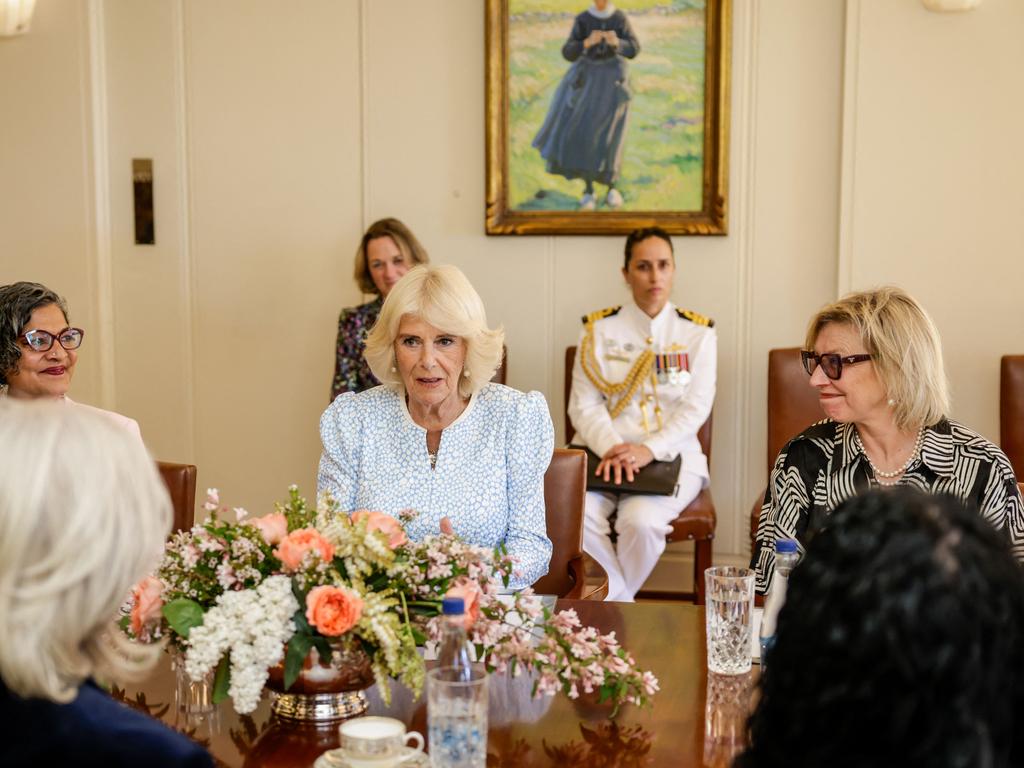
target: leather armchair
<point>180,480</point>
<point>1011,411</point>
<point>695,523</point>
<point>792,407</point>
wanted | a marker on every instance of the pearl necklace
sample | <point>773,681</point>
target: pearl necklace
<point>879,474</point>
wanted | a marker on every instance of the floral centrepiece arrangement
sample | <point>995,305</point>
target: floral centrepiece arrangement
<point>239,596</point>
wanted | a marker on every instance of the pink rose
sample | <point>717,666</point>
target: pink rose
<point>296,544</point>
<point>146,610</point>
<point>470,593</point>
<point>273,527</point>
<point>333,610</point>
<point>386,524</point>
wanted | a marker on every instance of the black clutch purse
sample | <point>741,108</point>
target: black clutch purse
<point>659,478</point>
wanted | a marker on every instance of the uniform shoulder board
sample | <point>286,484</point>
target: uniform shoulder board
<point>601,313</point>
<point>695,317</point>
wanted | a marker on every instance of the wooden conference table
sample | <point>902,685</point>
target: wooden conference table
<point>692,721</point>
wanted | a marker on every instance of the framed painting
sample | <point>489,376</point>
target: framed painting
<point>605,117</point>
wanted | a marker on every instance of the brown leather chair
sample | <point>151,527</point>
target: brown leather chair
<point>502,372</point>
<point>695,523</point>
<point>180,480</point>
<point>792,407</point>
<point>1011,411</point>
<point>565,482</point>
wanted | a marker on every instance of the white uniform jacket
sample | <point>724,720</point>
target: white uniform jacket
<point>687,344</point>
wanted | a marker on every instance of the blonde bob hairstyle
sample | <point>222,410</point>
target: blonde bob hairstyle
<point>83,517</point>
<point>402,237</point>
<point>904,346</point>
<point>442,296</point>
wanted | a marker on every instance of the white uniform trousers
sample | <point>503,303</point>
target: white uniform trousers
<point>641,526</point>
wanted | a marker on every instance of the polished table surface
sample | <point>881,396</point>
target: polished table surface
<point>689,723</point>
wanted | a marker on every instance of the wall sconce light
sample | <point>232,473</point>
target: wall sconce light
<point>15,16</point>
<point>950,6</point>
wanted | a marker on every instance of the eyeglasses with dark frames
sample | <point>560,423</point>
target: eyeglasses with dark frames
<point>42,341</point>
<point>832,364</point>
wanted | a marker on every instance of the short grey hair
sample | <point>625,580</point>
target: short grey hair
<point>17,303</point>
<point>442,296</point>
<point>83,517</point>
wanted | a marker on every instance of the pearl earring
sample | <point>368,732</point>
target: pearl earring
<point>466,374</point>
<point>891,402</point>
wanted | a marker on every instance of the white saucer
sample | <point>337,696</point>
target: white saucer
<point>332,758</point>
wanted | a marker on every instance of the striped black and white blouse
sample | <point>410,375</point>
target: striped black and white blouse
<point>824,465</point>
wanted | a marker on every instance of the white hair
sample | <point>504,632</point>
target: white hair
<point>443,297</point>
<point>83,517</point>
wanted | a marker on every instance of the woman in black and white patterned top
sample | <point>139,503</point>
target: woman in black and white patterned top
<point>876,361</point>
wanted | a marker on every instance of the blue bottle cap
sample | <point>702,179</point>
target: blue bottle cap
<point>453,606</point>
<point>785,546</point>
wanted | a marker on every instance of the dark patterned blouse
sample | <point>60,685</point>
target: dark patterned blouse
<point>824,465</point>
<point>351,373</point>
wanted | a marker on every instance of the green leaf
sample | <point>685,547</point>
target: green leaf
<point>418,636</point>
<point>606,692</point>
<point>322,647</point>
<point>221,680</point>
<point>183,614</point>
<point>298,649</point>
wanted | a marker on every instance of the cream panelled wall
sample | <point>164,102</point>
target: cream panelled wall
<point>277,137</point>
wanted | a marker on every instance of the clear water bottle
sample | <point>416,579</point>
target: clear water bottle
<point>455,651</point>
<point>786,556</point>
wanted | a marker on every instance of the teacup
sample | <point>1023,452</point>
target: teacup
<point>377,742</point>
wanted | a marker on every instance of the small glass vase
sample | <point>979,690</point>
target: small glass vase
<point>191,697</point>
<point>331,689</point>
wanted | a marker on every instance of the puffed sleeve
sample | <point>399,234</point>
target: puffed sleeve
<point>784,512</point>
<point>348,353</point>
<point>531,441</point>
<point>1001,503</point>
<point>574,45</point>
<point>339,463</point>
<point>629,46</point>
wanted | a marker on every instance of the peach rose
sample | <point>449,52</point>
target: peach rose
<point>296,544</point>
<point>333,610</point>
<point>386,524</point>
<point>273,527</point>
<point>146,610</point>
<point>470,593</point>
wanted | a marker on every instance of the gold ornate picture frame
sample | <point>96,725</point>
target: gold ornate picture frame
<point>603,119</point>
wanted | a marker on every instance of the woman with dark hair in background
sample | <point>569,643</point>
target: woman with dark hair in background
<point>901,643</point>
<point>39,349</point>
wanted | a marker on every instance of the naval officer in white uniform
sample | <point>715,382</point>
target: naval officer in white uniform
<point>642,385</point>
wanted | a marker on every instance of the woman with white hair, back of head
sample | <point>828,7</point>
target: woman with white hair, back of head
<point>438,437</point>
<point>83,517</point>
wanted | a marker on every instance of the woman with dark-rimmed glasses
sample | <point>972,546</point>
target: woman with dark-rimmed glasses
<point>875,359</point>
<point>39,348</point>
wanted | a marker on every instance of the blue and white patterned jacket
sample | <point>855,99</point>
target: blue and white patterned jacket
<point>489,475</point>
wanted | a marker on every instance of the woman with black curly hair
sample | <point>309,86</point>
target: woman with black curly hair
<point>901,643</point>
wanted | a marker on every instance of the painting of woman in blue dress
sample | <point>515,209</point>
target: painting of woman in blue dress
<point>583,134</point>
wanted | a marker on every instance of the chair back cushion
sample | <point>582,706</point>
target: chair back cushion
<point>180,480</point>
<point>1011,411</point>
<point>703,434</point>
<point>565,484</point>
<point>502,372</point>
<point>792,402</point>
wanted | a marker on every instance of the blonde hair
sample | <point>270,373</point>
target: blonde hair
<point>904,346</point>
<point>442,296</point>
<point>403,238</point>
<point>83,517</point>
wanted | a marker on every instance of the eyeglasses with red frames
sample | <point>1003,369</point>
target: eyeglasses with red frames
<point>42,341</point>
<point>832,364</point>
